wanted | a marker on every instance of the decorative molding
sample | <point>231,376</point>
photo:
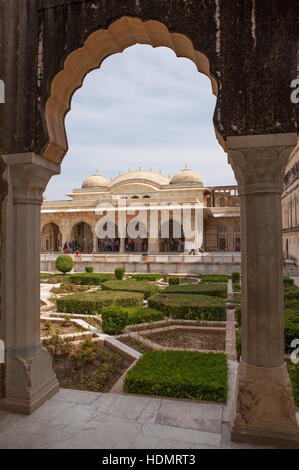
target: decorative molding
<point>261,169</point>
<point>29,175</point>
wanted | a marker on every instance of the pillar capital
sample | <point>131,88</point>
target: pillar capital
<point>259,162</point>
<point>29,175</point>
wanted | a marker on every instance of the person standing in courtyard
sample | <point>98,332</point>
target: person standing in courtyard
<point>192,251</point>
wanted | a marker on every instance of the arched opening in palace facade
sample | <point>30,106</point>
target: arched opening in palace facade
<point>111,243</point>
<point>258,160</point>
<point>82,238</point>
<point>51,238</point>
<point>171,237</point>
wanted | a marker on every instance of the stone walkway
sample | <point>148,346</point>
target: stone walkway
<point>88,420</point>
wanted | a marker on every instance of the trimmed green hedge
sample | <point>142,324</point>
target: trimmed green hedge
<point>235,278</point>
<point>288,281</point>
<point>137,315</point>
<point>293,370</point>
<point>204,288</point>
<point>93,279</point>
<point>238,315</point>
<point>114,320</point>
<point>239,342</point>
<point>89,269</point>
<point>291,328</point>
<point>92,303</point>
<point>180,374</point>
<point>189,306</point>
<point>64,263</point>
<point>119,273</point>
<point>132,285</point>
<point>173,280</point>
<point>214,277</point>
<point>147,277</point>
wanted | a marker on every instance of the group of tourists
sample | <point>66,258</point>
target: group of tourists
<point>108,245</point>
<point>74,247</point>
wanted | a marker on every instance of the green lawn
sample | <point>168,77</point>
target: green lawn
<point>190,306</point>
<point>180,374</point>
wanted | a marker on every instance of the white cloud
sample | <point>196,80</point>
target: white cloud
<point>142,107</point>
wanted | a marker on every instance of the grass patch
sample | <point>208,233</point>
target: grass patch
<point>293,370</point>
<point>67,287</point>
<point>147,277</point>
<point>132,285</point>
<point>214,277</point>
<point>180,374</point>
<point>92,303</point>
<point>94,279</point>
<point>203,288</point>
<point>189,306</point>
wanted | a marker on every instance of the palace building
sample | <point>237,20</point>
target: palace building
<point>157,200</point>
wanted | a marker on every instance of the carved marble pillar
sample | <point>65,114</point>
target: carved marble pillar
<point>29,378</point>
<point>153,246</point>
<point>264,403</point>
<point>122,245</point>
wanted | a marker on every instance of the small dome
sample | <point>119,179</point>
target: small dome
<point>95,181</point>
<point>186,176</point>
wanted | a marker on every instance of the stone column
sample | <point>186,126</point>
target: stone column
<point>29,378</point>
<point>122,245</point>
<point>153,246</point>
<point>94,242</point>
<point>264,403</point>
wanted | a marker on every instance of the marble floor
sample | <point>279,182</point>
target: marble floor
<point>87,420</point>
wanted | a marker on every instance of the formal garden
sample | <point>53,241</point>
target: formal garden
<point>150,334</point>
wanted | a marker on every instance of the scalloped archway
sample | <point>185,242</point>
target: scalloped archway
<point>121,34</point>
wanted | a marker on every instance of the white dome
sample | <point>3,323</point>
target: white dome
<point>141,175</point>
<point>186,176</point>
<point>95,181</point>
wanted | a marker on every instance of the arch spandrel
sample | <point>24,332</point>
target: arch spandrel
<point>121,34</point>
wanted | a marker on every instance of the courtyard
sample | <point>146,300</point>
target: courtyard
<point>192,318</point>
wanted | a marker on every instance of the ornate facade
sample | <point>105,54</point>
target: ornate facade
<point>214,214</point>
<point>290,210</point>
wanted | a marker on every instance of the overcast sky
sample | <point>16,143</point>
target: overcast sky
<point>143,107</point>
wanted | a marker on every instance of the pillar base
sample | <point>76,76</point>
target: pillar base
<point>29,381</point>
<point>265,411</point>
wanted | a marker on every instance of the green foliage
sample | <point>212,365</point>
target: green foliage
<point>239,342</point>
<point>92,303</point>
<point>214,277</point>
<point>57,346</point>
<point>119,273</point>
<point>173,280</point>
<point>204,288</point>
<point>293,370</point>
<point>114,320</point>
<point>93,279</point>
<point>132,285</point>
<point>291,328</point>
<point>238,315</point>
<point>180,374</point>
<point>66,287</point>
<point>235,278</point>
<point>64,263</point>
<point>147,277</point>
<point>89,269</point>
<point>189,306</point>
<point>288,281</point>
